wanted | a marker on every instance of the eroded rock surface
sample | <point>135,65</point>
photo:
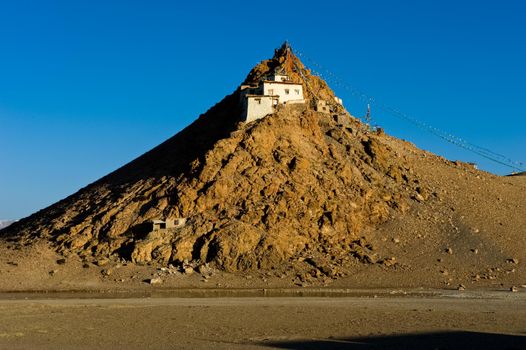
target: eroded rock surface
<point>297,184</point>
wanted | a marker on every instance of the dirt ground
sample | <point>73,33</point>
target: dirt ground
<point>496,321</point>
<point>40,268</point>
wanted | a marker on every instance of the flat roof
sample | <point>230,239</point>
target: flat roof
<point>281,82</point>
<point>248,96</point>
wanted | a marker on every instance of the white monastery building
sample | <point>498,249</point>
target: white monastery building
<point>259,101</point>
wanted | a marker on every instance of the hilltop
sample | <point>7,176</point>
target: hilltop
<point>301,195</point>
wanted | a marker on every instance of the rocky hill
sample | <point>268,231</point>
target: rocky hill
<point>298,189</point>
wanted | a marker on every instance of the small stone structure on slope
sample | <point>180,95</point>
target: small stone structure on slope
<point>156,225</point>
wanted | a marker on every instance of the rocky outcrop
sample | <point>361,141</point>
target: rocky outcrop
<point>254,195</point>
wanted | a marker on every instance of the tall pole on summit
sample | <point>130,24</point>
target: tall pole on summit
<point>287,48</point>
<point>368,115</point>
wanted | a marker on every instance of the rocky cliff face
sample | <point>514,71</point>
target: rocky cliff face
<point>293,184</point>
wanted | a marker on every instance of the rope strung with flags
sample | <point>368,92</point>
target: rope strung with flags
<point>369,100</point>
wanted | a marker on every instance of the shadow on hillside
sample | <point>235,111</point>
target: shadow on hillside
<point>460,340</point>
<point>174,157</point>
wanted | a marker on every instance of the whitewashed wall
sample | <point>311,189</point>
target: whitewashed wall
<point>295,91</point>
<point>257,107</point>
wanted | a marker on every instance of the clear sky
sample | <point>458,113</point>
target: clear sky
<point>86,86</point>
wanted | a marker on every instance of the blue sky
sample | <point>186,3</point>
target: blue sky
<point>86,86</point>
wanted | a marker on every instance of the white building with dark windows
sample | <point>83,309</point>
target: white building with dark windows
<point>258,106</point>
<point>260,101</point>
<point>287,91</point>
<point>278,77</point>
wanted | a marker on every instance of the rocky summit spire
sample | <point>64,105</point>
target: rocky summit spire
<point>286,61</point>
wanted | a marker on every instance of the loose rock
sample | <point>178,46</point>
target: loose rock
<point>388,262</point>
<point>102,262</point>
<point>155,281</point>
